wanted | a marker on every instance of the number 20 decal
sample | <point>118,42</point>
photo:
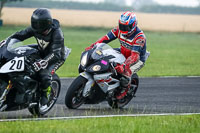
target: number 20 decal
<point>16,64</point>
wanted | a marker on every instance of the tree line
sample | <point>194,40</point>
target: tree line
<point>107,6</point>
<point>68,5</point>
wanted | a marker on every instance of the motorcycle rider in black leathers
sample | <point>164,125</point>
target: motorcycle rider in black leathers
<point>51,48</point>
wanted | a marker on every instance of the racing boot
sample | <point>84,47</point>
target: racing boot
<point>45,95</point>
<point>125,85</point>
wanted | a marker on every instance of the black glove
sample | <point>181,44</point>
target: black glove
<point>41,64</point>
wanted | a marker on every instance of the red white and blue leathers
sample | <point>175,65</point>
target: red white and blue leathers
<point>133,47</point>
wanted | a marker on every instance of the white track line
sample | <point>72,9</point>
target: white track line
<point>100,116</point>
<point>149,77</point>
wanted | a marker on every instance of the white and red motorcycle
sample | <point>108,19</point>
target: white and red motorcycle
<point>98,80</point>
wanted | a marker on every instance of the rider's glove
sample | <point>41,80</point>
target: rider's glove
<point>88,48</point>
<point>120,68</point>
<point>41,64</point>
<point>126,73</point>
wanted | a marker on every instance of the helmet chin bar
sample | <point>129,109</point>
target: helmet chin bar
<point>47,31</point>
<point>128,33</point>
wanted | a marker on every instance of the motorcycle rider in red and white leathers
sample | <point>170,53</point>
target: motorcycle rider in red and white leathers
<point>133,46</point>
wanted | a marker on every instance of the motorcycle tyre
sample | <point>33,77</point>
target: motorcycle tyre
<point>116,103</point>
<point>36,111</point>
<point>76,85</point>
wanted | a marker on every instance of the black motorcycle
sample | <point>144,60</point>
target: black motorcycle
<point>16,61</point>
<point>98,80</point>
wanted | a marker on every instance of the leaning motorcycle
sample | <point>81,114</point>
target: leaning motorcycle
<point>16,61</point>
<point>98,80</point>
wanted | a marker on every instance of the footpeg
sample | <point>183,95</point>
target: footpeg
<point>32,104</point>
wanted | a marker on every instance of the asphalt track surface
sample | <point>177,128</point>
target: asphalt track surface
<point>154,96</point>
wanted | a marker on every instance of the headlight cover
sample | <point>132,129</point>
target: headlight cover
<point>84,59</point>
<point>96,68</point>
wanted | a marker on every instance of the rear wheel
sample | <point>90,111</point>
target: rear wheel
<point>74,98</point>
<point>129,94</point>
<point>55,91</point>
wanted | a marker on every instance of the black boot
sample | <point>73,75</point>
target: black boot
<point>45,96</point>
<point>44,100</point>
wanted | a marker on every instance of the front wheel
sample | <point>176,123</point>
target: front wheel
<point>74,97</point>
<point>120,103</point>
<point>39,110</point>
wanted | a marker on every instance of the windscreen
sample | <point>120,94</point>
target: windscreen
<point>99,48</point>
<point>17,47</point>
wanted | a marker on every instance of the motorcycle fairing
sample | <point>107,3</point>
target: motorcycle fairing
<point>89,83</point>
<point>104,81</point>
<point>98,67</point>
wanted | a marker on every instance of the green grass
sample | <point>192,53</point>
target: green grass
<point>145,124</point>
<point>172,54</point>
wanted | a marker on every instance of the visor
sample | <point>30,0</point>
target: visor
<point>37,25</point>
<point>40,26</point>
<point>125,28</point>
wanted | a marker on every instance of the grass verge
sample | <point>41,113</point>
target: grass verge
<point>144,124</point>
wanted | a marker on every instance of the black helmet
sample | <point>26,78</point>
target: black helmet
<point>41,20</point>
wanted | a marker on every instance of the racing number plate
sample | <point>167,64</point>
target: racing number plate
<point>14,65</point>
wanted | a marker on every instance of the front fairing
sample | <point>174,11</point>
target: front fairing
<point>86,59</point>
<point>14,49</point>
<point>98,59</point>
<point>99,66</point>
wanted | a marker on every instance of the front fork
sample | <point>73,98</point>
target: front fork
<point>3,96</point>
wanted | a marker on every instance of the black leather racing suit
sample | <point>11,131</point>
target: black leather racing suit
<point>51,48</point>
